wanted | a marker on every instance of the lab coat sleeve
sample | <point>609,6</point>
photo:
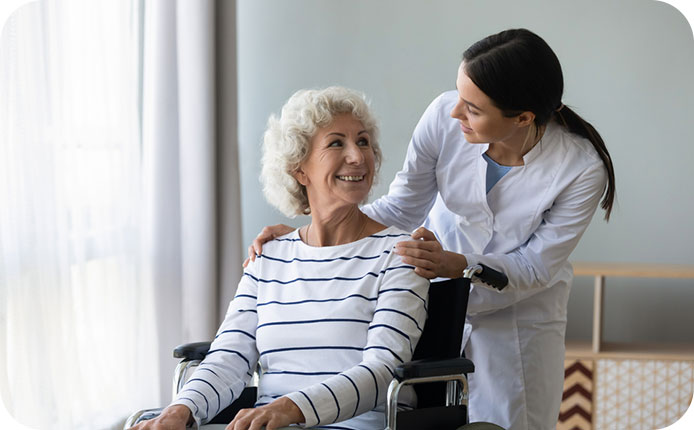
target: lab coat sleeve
<point>393,334</point>
<point>413,191</point>
<point>532,267</point>
<point>231,360</point>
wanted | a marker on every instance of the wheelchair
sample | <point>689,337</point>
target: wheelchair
<point>437,371</point>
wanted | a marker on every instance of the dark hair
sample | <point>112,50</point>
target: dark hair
<point>520,72</point>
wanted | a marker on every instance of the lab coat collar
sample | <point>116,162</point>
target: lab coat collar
<point>536,150</point>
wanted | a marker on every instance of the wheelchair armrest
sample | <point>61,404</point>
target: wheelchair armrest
<point>192,351</point>
<point>431,367</point>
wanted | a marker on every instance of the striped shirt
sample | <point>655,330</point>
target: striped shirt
<point>328,325</point>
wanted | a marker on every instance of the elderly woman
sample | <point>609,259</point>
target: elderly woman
<point>328,310</point>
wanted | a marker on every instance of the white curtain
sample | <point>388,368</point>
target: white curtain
<point>77,327</point>
<point>110,188</point>
<point>181,185</point>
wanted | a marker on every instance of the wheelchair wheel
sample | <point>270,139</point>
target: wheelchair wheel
<point>480,426</point>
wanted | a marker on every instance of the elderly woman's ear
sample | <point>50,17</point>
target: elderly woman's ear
<point>301,177</point>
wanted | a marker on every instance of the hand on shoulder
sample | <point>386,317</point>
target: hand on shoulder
<point>267,234</point>
<point>428,256</point>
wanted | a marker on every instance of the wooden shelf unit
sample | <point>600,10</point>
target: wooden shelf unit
<point>597,348</point>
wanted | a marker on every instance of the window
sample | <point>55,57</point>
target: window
<point>76,313</point>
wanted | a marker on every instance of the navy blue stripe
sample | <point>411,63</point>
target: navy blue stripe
<point>326,260</point>
<point>274,397</point>
<point>390,290</point>
<point>290,372</point>
<point>287,240</point>
<point>191,401</point>
<point>403,289</point>
<point>336,278</point>
<point>314,321</point>
<point>392,328</point>
<point>207,404</point>
<point>355,389</point>
<point>219,402</point>
<point>248,310</point>
<point>375,384</point>
<point>390,235</point>
<point>392,373</point>
<point>385,349</point>
<point>401,313</point>
<point>395,330</point>
<point>337,404</point>
<point>245,295</point>
<point>232,352</point>
<point>351,296</point>
<point>308,348</point>
<point>235,331</point>
<point>209,370</point>
<point>314,408</point>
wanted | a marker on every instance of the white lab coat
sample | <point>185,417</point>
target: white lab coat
<point>527,226</point>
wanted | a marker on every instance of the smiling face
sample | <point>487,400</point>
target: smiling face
<point>340,167</point>
<point>480,120</point>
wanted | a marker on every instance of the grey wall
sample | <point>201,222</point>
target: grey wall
<point>627,69</point>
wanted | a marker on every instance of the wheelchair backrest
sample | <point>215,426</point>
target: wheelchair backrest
<point>443,331</point>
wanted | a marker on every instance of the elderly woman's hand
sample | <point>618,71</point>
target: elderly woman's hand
<point>267,234</point>
<point>428,256</point>
<point>279,413</point>
<point>175,417</point>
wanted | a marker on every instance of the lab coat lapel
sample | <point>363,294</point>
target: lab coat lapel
<point>475,219</point>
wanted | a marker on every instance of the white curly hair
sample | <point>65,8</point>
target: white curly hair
<point>287,141</point>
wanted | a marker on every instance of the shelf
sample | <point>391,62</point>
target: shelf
<point>576,349</point>
<point>596,347</point>
<point>633,270</point>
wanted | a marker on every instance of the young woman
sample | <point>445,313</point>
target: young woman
<point>501,172</point>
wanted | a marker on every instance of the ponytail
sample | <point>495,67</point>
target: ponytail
<point>577,125</point>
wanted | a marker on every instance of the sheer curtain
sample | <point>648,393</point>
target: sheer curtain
<point>182,184</point>
<point>77,322</point>
<point>119,193</point>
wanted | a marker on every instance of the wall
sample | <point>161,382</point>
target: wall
<point>627,69</point>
